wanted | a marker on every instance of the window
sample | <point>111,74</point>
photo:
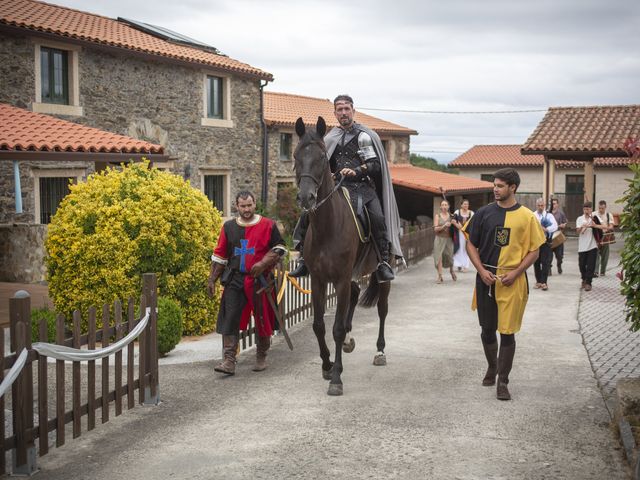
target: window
<point>214,190</point>
<point>487,177</point>
<point>574,184</point>
<point>57,81</point>
<point>285,146</point>
<point>52,191</point>
<point>214,98</point>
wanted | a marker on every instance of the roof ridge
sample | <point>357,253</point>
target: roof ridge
<point>64,7</point>
<point>599,107</point>
<point>297,95</point>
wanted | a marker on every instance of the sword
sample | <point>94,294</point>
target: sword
<point>266,288</point>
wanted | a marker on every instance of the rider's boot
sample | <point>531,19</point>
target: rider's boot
<point>301,269</point>
<point>299,234</point>
<point>384,272</point>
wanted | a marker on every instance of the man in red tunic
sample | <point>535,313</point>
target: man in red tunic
<point>248,247</point>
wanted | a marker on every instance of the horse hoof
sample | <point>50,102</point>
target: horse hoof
<point>380,359</point>
<point>349,347</point>
<point>326,374</point>
<point>335,389</point>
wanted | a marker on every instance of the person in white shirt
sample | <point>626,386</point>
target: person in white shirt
<point>606,219</point>
<point>543,263</point>
<point>587,244</point>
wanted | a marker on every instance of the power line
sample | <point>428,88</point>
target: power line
<point>468,136</point>
<point>435,151</point>
<point>452,112</point>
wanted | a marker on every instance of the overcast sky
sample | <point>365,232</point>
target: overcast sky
<point>423,55</point>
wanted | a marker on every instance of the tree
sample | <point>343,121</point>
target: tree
<point>124,222</point>
<point>430,163</point>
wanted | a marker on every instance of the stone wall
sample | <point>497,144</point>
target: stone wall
<point>22,253</point>
<point>154,100</point>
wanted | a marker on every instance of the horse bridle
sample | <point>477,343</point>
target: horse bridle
<point>318,184</point>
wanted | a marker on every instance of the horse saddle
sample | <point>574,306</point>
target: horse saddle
<point>360,216</point>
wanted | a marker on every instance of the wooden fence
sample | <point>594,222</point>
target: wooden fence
<point>296,306</point>
<point>24,434</point>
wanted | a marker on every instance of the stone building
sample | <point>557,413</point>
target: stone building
<point>281,110</point>
<point>574,154</point>
<point>39,156</point>
<point>609,176</point>
<point>202,107</point>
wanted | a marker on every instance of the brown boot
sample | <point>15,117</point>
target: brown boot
<point>505,361</point>
<point>261,353</point>
<point>228,364</point>
<point>491,353</point>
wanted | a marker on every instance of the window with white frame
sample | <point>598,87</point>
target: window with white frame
<point>216,187</point>
<point>285,146</point>
<point>214,97</point>
<point>217,101</point>
<point>50,187</point>
<point>57,79</point>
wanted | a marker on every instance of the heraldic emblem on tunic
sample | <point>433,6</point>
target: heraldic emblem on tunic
<point>502,236</point>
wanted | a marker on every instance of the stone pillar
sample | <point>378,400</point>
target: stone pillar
<point>552,180</point>
<point>589,180</point>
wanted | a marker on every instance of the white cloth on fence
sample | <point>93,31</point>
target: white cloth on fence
<point>14,372</point>
<point>61,352</point>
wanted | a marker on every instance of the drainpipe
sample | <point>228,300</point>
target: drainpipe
<point>265,150</point>
<point>16,177</point>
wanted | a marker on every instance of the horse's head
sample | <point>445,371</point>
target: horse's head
<point>310,162</point>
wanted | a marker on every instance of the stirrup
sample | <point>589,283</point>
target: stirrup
<point>301,270</point>
<point>384,272</point>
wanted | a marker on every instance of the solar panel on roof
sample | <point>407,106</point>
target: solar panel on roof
<point>169,35</point>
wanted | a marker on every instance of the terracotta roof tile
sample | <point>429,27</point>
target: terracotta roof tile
<point>23,130</point>
<point>497,156</point>
<point>600,130</point>
<point>283,109</point>
<point>418,178</point>
<point>615,162</point>
<point>67,22</point>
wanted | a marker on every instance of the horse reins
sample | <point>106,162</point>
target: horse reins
<point>319,184</point>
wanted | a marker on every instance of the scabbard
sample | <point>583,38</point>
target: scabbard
<point>267,287</point>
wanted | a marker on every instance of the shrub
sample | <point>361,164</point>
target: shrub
<point>169,325</point>
<point>630,256</point>
<point>286,208</point>
<point>124,222</point>
<point>38,314</point>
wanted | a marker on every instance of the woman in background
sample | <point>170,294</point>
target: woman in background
<point>460,217</point>
<point>443,242</point>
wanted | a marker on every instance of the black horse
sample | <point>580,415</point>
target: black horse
<point>334,253</point>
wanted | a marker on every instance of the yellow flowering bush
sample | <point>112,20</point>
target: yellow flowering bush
<point>124,222</point>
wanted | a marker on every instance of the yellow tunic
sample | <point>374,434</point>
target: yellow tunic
<point>503,237</point>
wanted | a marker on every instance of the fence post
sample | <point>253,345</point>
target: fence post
<point>150,291</point>
<point>24,455</point>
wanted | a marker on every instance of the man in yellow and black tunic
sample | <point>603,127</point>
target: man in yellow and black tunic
<point>504,238</point>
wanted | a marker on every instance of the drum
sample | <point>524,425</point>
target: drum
<point>557,239</point>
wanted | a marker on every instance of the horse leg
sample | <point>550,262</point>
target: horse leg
<point>319,298</point>
<point>349,343</point>
<point>343,291</point>
<point>383,308</point>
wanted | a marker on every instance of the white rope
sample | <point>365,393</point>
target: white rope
<point>14,372</point>
<point>60,352</point>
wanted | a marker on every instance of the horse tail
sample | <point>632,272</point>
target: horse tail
<point>369,298</point>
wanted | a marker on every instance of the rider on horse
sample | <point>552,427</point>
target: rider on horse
<point>356,153</point>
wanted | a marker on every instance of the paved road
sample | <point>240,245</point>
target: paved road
<point>613,350</point>
<point>424,415</point>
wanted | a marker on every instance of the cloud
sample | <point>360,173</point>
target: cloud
<point>423,55</point>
